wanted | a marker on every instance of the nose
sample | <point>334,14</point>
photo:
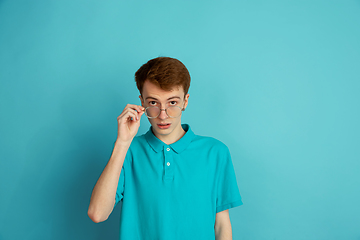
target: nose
<point>163,114</point>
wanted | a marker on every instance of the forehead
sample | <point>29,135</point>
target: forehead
<point>152,90</point>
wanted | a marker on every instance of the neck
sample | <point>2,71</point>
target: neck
<point>173,137</point>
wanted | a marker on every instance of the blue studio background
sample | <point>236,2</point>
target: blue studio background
<point>277,81</point>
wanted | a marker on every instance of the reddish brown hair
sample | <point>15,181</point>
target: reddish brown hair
<point>165,72</point>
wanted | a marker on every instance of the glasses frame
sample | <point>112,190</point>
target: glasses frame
<point>165,109</point>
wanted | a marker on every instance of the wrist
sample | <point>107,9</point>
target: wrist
<point>122,144</point>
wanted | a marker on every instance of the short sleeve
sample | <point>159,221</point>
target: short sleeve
<point>228,195</point>
<point>121,184</point>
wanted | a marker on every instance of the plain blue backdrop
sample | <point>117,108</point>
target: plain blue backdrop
<point>277,81</point>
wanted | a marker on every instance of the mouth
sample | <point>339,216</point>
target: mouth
<point>164,125</point>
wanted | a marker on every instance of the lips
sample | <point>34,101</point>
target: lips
<point>164,125</point>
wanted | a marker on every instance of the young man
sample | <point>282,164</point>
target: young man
<point>173,184</point>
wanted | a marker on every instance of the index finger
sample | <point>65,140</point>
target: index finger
<point>136,107</point>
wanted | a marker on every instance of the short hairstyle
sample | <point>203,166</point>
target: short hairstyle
<point>164,72</point>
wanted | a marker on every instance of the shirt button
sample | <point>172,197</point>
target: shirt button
<point>168,164</point>
<point>168,149</point>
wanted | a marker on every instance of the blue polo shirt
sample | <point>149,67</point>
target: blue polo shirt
<point>171,192</point>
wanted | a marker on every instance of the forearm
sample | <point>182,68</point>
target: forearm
<point>103,196</point>
<point>223,232</point>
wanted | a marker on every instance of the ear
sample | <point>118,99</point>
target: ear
<point>186,100</point>
<point>142,101</point>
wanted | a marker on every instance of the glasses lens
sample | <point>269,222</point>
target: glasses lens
<point>173,111</point>
<point>152,112</point>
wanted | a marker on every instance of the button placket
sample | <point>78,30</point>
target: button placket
<point>169,174</point>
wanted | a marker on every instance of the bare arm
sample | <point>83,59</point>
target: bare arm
<point>223,229</point>
<point>103,196</point>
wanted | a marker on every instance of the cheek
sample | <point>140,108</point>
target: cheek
<point>152,121</point>
<point>176,120</point>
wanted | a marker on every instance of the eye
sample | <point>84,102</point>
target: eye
<point>152,103</point>
<point>172,103</point>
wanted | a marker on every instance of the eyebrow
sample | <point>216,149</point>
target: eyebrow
<point>167,99</point>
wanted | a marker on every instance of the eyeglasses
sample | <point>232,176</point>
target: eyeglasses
<point>172,111</point>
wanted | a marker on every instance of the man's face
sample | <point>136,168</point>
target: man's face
<point>163,126</point>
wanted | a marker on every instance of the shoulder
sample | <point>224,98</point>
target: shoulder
<point>138,142</point>
<point>214,150</point>
<point>139,138</point>
<point>210,143</point>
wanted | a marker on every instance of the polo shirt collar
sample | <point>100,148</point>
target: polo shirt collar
<point>157,145</point>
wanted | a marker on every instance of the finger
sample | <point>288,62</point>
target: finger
<point>129,110</point>
<point>137,114</point>
<point>135,107</point>
<point>139,109</point>
<point>130,116</point>
<point>127,114</point>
